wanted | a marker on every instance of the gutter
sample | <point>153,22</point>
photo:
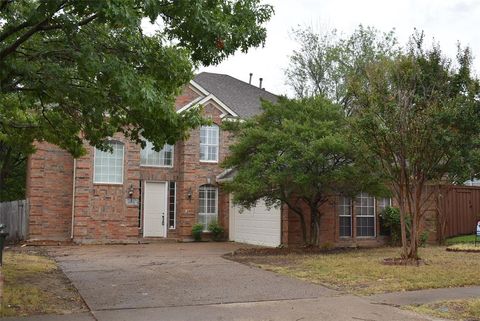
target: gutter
<point>73,196</point>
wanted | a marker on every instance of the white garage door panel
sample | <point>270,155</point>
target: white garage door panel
<point>258,225</point>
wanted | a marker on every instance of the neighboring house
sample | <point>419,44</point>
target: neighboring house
<point>136,193</point>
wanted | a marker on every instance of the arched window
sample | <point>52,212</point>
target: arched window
<point>208,205</point>
<point>209,141</point>
<point>108,166</point>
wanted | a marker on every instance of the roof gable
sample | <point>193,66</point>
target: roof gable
<point>239,98</point>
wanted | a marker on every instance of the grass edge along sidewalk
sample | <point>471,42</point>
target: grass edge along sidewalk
<point>34,284</point>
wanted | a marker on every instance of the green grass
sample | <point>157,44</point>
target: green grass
<point>362,272</point>
<point>460,239</point>
<point>34,285</point>
<point>455,310</point>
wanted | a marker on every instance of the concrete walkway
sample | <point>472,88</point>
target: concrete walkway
<point>426,296</point>
<point>193,282</point>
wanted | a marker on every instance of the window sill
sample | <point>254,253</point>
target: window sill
<point>209,162</point>
<point>107,184</point>
<point>157,166</point>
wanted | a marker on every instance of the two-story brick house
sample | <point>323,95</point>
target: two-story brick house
<point>133,192</point>
<point>136,193</point>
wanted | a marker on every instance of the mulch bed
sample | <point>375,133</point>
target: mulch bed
<point>263,251</point>
<point>404,262</point>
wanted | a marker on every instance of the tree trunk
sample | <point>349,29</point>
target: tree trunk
<point>314,226</point>
<point>403,225</point>
<point>303,225</point>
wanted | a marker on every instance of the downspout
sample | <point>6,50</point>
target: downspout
<point>73,196</point>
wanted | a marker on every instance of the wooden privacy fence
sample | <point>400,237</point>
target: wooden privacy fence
<point>458,210</point>
<point>15,216</point>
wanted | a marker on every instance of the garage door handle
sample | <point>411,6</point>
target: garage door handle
<point>163,219</point>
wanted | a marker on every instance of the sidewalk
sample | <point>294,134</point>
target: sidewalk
<point>426,296</point>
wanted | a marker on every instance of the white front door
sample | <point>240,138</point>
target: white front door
<point>155,209</point>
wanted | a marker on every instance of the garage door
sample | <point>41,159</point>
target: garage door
<point>258,225</point>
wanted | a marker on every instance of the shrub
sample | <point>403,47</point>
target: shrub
<point>216,229</point>
<point>391,222</point>
<point>197,231</point>
<point>423,238</point>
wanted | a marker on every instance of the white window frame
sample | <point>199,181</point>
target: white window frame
<point>216,144</point>
<point>150,146</point>
<point>365,195</point>
<point>96,150</point>
<point>200,214</point>
<point>340,214</point>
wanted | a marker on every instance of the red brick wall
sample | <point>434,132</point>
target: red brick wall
<point>188,95</point>
<point>101,211</point>
<point>49,191</point>
<point>193,174</point>
<point>329,227</point>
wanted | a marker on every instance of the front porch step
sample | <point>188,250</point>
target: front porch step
<point>147,240</point>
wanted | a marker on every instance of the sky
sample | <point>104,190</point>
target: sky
<point>447,21</point>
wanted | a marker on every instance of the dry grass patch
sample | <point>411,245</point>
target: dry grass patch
<point>34,285</point>
<point>465,247</point>
<point>455,310</point>
<point>362,272</point>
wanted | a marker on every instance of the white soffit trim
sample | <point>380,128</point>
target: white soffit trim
<point>218,102</point>
<point>199,88</point>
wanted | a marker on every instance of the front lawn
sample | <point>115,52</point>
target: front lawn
<point>455,310</point>
<point>34,285</point>
<point>361,271</point>
<point>460,239</point>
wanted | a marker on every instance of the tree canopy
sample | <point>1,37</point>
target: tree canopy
<point>297,152</point>
<point>418,119</point>
<point>325,61</point>
<point>75,71</point>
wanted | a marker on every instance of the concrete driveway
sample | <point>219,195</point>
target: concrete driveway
<point>181,281</point>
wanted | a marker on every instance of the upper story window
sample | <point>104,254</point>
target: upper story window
<point>108,166</point>
<point>209,143</point>
<point>150,157</point>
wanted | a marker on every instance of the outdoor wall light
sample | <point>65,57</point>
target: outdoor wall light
<point>189,194</point>
<point>130,191</point>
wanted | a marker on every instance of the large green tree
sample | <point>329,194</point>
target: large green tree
<point>297,152</point>
<point>419,122</point>
<point>75,71</point>
<point>325,61</point>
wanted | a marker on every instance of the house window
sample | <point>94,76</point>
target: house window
<point>171,204</point>
<point>108,166</point>
<point>150,157</point>
<point>365,215</point>
<point>345,216</point>
<point>209,143</point>
<point>383,203</point>
<point>207,211</point>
